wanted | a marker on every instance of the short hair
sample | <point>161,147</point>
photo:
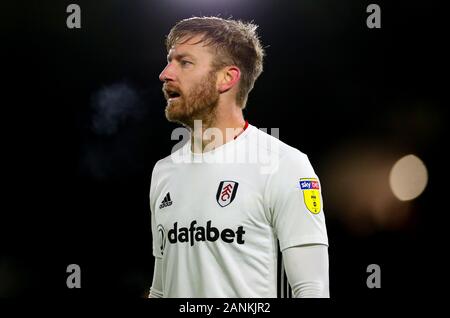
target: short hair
<point>235,42</point>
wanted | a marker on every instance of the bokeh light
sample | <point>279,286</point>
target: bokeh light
<point>408,178</point>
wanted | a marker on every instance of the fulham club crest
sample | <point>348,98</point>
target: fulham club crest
<point>226,192</point>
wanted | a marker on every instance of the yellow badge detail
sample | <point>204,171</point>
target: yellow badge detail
<point>311,194</point>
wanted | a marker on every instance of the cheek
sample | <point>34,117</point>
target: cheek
<point>189,86</point>
<point>197,81</point>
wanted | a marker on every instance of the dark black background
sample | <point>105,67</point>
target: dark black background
<point>74,195</point>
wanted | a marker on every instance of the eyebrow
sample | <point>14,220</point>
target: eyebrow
<point>179,56</point>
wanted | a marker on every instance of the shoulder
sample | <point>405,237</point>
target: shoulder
<point>169,163</point>
<point>162,172</point>
<point>275,148</point>
<point>162,164</point>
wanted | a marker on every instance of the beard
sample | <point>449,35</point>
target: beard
<point>200,103</point>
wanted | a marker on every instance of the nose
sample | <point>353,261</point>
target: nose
<point>167,73</point>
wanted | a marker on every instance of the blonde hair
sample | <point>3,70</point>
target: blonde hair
<point>235,43</point>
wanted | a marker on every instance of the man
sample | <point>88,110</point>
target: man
<point>217,223</point>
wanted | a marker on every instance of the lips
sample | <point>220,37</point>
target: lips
<point>171,93</point>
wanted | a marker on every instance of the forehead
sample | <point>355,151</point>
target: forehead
<point>191,45</point>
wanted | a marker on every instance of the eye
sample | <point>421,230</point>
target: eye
<point>185,62</point>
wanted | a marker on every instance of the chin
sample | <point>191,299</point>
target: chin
<point>175,113</point>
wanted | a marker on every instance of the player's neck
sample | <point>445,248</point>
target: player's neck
<point>226,125</point>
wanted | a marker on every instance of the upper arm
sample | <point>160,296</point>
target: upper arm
<point>156,291</point>
<point>295,203</point>
<point>157,238</point>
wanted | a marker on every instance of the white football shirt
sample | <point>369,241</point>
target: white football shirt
<point>218,218</point>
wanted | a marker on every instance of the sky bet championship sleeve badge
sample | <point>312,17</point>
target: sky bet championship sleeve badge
<point>311,194</point>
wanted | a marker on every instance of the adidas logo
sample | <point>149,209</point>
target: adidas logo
<point>166,202</point>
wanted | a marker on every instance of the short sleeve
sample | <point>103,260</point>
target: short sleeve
<point>294,198</point>
<point>156,233</point>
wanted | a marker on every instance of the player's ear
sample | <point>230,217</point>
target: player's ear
<point>228,78</point>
